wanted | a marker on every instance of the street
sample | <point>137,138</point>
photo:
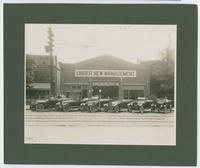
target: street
<point>100,128</point>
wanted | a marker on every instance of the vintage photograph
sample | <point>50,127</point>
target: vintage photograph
<point>104,84</point>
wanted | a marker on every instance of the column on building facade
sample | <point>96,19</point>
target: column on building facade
<point>90,88</point>
<point>147,89</point>
<point>121,95</point>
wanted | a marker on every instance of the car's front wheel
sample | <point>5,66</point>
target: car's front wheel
<point>57,108</point>
<point>129,109</point>
<point>170,108</point>
<point>152,109</point>
<point>105,109</point>
<point>82,108</point>
<point>39,107</point>
<point>117,109</point>
<point>66,108</point>
<point>165,110</point>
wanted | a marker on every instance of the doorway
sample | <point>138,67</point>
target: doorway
<point>106,91</point>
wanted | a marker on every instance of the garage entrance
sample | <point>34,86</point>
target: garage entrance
<point>106,89</point>
<point>133,94</point>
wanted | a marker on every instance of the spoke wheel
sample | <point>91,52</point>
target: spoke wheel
<point>56,108</point>
<point>66,108</point>
<point>92,108</point>
<point>105,109</point>
<point>82,108</point>
<point>141,109</point>
<point>165,110</point>
<point>39,107</point>
<point>129,109</point>
<point>117,109</point>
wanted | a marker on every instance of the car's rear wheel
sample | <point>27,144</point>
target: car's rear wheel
<point>92,108</point>
<point>39,107</point>
<point>66,108</point>
<point>117,109</point>
<point>33,109</point>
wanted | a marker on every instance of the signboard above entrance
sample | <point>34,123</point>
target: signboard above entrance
<point>105,73</point>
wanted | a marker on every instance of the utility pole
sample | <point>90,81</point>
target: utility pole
<point>49,49</point>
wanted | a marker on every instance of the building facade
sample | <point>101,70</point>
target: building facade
<point>105,76</point>
<point>40,87</point>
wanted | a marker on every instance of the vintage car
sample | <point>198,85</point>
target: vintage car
<point>97,105</point>
<point>140,105</point>
<point>84,104</point>
<point>118,105</point>
<point>45,104</point>
<point>162,106</point>
<point>67,105</point>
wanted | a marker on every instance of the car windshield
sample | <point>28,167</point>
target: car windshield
<point>141,98</point>
<point>68,100</point>
<point>114,102</point>
<point>43,100</point>
<point>163,100</point>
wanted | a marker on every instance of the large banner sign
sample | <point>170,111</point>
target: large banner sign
<point>105,73</point>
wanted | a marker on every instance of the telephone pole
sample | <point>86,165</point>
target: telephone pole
<point>49,49</point>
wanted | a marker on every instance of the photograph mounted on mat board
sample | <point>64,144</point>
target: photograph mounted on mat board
<point>100,84</point>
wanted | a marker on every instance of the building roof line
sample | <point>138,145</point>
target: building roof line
<point>99,56</point>
<point>104,55</point>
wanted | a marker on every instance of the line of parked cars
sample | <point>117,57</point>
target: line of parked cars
<point>96,104</point>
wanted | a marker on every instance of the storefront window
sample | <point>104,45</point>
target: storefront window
<point>125,94</point>
<point>67,94</point>
<point>67,87</point>
<point>79,86</point>
<point>133,94</point>
<point>140,93</point>
<point>84,86</point>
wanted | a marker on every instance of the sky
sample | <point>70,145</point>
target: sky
<point>77,42</point>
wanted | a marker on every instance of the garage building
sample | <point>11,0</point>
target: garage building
<point>105,76</point>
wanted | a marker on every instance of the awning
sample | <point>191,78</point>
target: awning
<point>40,86</point>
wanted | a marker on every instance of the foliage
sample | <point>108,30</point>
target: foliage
<point>30,67</point>
<point>162,79</point>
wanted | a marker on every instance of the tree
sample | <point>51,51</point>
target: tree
<point>30,67</point>
<point>162,78</point>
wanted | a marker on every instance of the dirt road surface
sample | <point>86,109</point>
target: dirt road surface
<point>100,128</point>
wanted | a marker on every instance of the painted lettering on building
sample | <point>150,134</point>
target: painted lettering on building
<point>105,73</point>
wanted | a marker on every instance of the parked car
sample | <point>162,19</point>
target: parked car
<point>84,104</point>
<point>97,105</point>
<point>46,104</point>
<point>162,106</point>
<point>67,105</point>
<point>140,105</point>
<point>118,105</point>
